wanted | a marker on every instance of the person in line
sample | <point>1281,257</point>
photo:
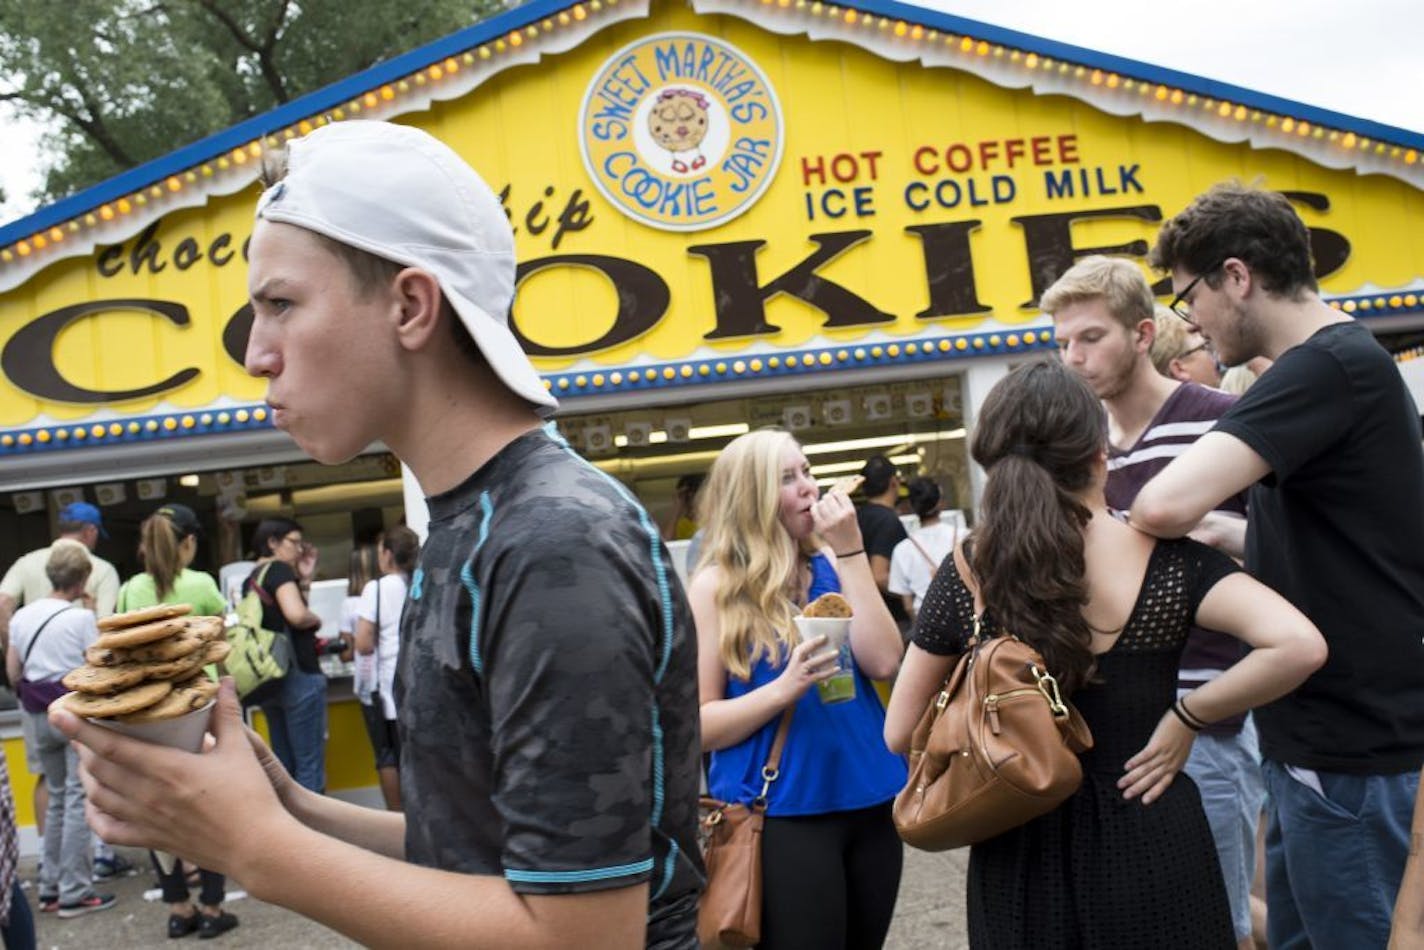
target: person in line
<point>79,523</point>
<point>1104,319</point>
<point>880,526</point>
<point>378,637</point>
<point>1327,441</point>
<point>48,637</point>
<point>1128,859</point>
<point>681,522</point>
<point>915,559</point>
<point>830,857</point>
<point>1179,352</point>
<point>296,715</point>
<point>168,543</point>
<point>546,692</point>
<point>362,567</point>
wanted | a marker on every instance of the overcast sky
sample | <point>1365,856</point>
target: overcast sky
<point>1362,58</point>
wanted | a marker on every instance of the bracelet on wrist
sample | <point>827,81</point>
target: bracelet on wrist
<point>1202,723</point>
<point>1176,711</point>
<point>1190,719</point>
<point>851,553</point>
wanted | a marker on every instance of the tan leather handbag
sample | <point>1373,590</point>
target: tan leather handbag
<point>730,912</point>
<point>996,748</point>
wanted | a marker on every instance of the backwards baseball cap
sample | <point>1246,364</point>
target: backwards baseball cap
<point>402,194</point>
<point>183,518</point>
<point>81,512</point>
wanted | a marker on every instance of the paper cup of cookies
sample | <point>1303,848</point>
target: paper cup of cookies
<point>144,676</point>
<point>829,616</point>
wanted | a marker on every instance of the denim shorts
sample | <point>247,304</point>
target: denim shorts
<point>1227,771</point>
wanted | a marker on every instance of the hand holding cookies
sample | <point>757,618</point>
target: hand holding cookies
<point>143,677</point>
<point>202,805</point>
<point>834,516</point>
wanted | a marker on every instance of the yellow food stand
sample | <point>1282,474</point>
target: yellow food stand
<point>728,213</point>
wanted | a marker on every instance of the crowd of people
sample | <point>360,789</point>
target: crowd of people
<point>49,633</point>
<point>1197,570</point>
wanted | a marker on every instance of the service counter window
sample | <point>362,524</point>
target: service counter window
<point>662,453</point>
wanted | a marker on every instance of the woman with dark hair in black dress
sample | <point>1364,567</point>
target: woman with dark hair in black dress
<point>1128,860</point>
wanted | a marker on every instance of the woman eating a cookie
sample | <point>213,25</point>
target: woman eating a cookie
<point>830,856</point>
<point>168,543</point>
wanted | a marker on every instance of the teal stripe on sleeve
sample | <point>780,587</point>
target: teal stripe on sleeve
<point>578,877</point>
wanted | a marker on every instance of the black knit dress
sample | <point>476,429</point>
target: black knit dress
<point>1100,871</point>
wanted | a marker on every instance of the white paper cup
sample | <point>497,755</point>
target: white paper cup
<point>836,630</point>
<point>182,732</point>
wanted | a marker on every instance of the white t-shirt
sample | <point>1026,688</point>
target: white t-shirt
<point>62,643</point>
<point>27,582</point>
<point>391,588</point>
<point>910,571</point>
<point>363,665</point>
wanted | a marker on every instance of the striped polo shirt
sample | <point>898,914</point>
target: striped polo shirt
<point>1190,412</point>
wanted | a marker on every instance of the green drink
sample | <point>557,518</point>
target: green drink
<point>840,686</point>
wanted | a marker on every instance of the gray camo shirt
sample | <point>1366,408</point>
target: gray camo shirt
<point>547,690</point>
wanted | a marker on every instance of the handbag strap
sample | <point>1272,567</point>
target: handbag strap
<point>771,771</point>
<point>376,651</point>
<point>262,593</point>
<point>36,638</point>
<point>923,553</point>
<point>966,574</point>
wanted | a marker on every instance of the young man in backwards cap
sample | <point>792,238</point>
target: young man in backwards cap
<point>547,681</point>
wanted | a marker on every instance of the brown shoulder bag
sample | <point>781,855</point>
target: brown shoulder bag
<point>997,747</point>
<point>730,912</point>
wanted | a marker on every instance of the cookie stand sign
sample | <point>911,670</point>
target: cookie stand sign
<point>680,131</point>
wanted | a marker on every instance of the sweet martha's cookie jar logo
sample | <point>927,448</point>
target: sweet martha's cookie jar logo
<point>680,131</point>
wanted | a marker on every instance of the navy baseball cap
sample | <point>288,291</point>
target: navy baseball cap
<point>81,512</point>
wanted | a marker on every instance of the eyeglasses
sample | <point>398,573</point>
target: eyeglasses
<point>293,539</point>
<point>1179,304</point>
<point>1196,349</point>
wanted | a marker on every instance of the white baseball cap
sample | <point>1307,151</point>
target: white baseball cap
<point>402,194</point>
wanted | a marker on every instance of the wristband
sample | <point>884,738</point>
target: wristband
<point>1192,721</point>
<point>1185,721</point>
<point>851,553</point>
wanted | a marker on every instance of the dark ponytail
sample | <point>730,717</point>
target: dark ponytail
<point>1038,436</point>
<point>924,496</point>
<point>404,547</point>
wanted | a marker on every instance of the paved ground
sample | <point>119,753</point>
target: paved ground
<point>929,915</point>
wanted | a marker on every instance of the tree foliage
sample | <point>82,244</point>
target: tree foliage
<point>124,81</point>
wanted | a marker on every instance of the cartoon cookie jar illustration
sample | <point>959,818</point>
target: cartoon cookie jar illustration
<point>678,122</point>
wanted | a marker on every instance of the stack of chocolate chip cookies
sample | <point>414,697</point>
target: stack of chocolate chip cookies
<point>147,666</point>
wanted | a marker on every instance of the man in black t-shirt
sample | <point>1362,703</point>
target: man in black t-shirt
<point>1328,443</point>
<point>881,528</point>
<point>547,677</point>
